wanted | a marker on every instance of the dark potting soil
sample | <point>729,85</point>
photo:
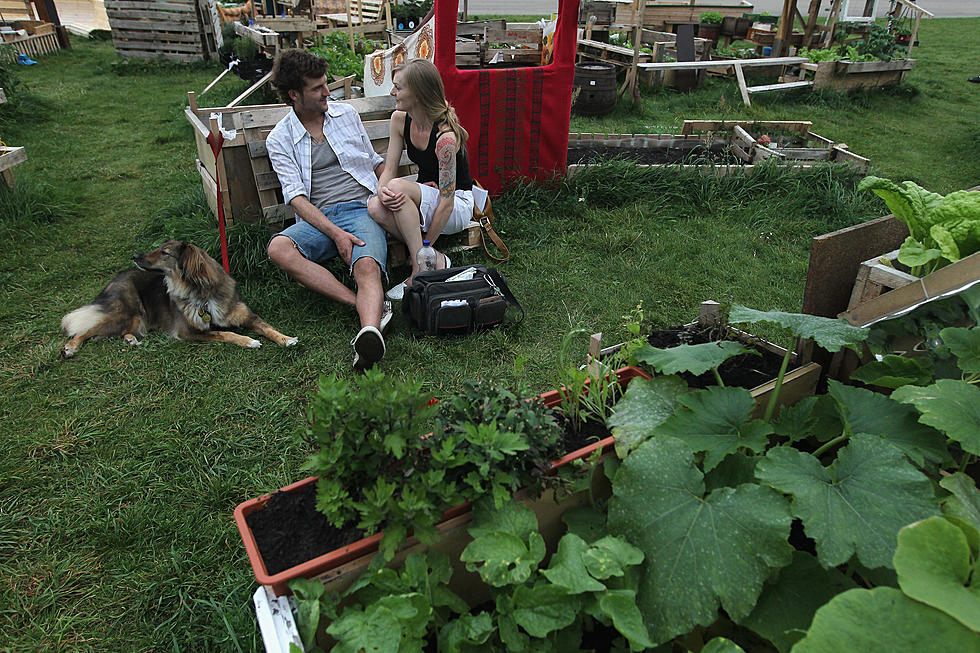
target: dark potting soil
<point>583,434</point>
<point>742,371</point>
<point>289,530</point>
<point>653,156</point>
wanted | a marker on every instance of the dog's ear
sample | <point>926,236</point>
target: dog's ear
<point>195,264</point>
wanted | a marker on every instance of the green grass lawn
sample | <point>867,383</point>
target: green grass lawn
<point>122,466</point>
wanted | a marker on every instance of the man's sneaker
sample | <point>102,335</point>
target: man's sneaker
<point>369,348</point>
<point>386,314</point>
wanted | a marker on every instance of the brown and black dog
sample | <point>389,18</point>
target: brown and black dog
<point>177,289</point>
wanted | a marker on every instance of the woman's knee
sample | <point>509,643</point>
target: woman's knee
<point>402,185</point>
<point>376,210</point>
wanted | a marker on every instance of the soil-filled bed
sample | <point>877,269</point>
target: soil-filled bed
<point>289,530</point>
<point>742,371</point>
<point>719,153</point>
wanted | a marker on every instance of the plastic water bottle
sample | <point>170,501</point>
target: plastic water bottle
<point>426,257</point>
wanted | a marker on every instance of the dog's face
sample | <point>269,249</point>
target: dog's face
<point>181,261</point>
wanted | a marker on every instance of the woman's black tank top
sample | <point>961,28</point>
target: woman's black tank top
<point>427,163</point>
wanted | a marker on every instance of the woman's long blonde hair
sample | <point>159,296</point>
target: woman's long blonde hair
<point>422,78</point>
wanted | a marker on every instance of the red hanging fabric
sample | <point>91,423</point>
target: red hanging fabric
<point>216,145</point>
<point>517,118</point>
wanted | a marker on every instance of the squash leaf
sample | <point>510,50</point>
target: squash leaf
<point>567,568</point>
<point>645,404</point>
<point>864,411</point>
<point>963,506</point>
<point>620,606</point>
<point>884,620</point>
<point>716,421</point>
<point>788,603</point>
<point>701,550</point>
<point>893,372</point>
<point>696,359</point>
<point>934,566</point>
<point>832,335</point>
<point>950,406</point>
<point>965,345</point>
<point>544,608</point>
<point>857,504</point>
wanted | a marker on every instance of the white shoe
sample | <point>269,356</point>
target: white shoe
<point>369,348</point>
<point>386,314</point>
<point>396,292</point>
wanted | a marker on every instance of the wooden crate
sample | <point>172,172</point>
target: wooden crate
<point>33,46</point>
<point>179,30</point>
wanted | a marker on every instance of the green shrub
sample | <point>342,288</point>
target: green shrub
<point>710,17</point>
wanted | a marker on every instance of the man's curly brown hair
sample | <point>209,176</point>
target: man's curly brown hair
<point>292,68</point>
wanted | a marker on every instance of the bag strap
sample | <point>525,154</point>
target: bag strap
<point>485,219</point>
<point>501,284</point>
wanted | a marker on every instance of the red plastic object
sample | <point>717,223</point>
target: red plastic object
<point>369,545</point>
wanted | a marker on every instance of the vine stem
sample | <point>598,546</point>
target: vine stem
<point>771,407</point>
<point>967,459</point>
<point>827,445</point>
<point>718,377</point>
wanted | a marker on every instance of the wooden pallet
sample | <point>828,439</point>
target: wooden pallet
<point>875,276</point>
<point>179,30</point>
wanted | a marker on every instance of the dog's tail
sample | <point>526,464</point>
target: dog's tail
<point>82,320</point>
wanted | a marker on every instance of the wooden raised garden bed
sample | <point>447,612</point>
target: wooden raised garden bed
<point>847,75</point>
<point>658,14</point>
<point>722,146</point>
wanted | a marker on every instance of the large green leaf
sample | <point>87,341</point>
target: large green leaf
<point>502,558</point>
<point>950,406</point>
<point>893,372</point>
<point>620,606</point>
<point>511,517</point>
<point>965,345</point>
<point>567,567</point>
<point>857,504</point>
<point>394,623</point>
<point>544,608</point>
<point>611,556</point>
<point>963,507</point>
<point>722,645</point>
<point>696,359</point>
<point>935,566</point>
<point>832,335</point>
<point>715,421</point>
<point>884,620</point>
<point>788,603</point>
<point>465,633</point>
<point>700,550</point>
<point>864,411</point>
<point>914,253</point>
<point>646,403</point>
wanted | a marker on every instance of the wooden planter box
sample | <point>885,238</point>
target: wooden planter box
<point>340,567</point>
<point>8,159</point>
<point>798,383</point>
<point>737,137</point>
<point>846,75</point>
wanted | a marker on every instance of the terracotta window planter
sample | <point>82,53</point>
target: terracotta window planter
<point>343,562</point>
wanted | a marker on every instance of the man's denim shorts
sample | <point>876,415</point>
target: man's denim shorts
<point>351,217</point>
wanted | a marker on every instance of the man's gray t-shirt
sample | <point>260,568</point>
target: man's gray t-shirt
<point>330,183</point>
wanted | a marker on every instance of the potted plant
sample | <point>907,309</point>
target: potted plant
<point>709,25</point>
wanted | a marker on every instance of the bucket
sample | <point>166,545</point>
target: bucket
<point>594,88</point>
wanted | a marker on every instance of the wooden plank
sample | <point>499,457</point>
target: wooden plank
<point>722,63</point>
<point>11,157</point>
<point>742,137</point>
<point>742,87</point>
<point>124,19</point>
<point>851,67</point>
<point>801,126</point>
<point>261,36</point>
<point>778,87</point>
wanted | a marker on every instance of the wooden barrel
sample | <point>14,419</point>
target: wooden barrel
<point>594,88</point>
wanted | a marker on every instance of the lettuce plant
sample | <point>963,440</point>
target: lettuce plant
<point>943,229</point>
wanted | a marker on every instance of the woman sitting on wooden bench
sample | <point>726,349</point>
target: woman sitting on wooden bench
<point>441,200</point>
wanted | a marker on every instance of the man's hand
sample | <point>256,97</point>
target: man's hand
<point>390,199</point>
<point>345,242</point>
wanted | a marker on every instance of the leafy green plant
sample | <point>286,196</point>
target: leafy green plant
<point>588,581</point>
<point>587,392</point>
<point>377,468</point>
<point>710,18</point>
<point>943,229</point>
<point>341,60</point>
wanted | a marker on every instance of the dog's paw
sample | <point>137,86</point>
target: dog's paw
<point>290,342</point>
<point>68,352</point>
<point>253,344</point>
<point>131,340</point>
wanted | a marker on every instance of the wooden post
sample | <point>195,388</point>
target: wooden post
<point>592,359</point>
<point>192,101</point>
<point>811,22</point>
<point>780,43</point>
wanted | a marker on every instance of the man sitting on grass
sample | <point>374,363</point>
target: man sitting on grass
<point>328,170</point>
